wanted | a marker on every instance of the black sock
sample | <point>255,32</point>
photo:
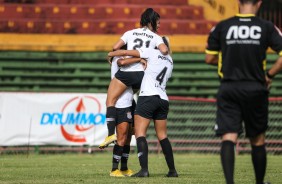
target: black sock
<point>167,151</point>
<point>227,160</point>
<point>142,148</point>
<point>133,107</point>
<point>117,152</point>
<point>124,158</point>
<point>111,120</point>
<point>259,162</point>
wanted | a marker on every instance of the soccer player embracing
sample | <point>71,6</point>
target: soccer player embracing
<point>152,104</point>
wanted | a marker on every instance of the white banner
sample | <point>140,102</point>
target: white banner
<point>52,119</point>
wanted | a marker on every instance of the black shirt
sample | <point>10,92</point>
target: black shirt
<point>242,42</point>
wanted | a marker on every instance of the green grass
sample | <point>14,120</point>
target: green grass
<point>94,168</point>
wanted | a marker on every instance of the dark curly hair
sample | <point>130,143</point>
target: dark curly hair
<point>149,16</point>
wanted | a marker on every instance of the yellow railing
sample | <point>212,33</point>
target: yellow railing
<point>88,43</point>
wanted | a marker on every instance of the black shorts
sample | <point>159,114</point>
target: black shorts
<point>152,107</point>
<point>133,79</point>
<point>124,115</point>
<point>239,102</point>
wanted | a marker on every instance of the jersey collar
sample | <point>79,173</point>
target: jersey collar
<point>245,15</point>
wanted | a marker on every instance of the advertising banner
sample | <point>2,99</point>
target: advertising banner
<point>52,119</point>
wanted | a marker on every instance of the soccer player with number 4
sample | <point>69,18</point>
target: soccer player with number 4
<point>238,46</point>
<point>132,75</point>
<point>152,104</point>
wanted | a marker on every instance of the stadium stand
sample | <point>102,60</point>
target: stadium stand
<point>98,17</point>
<point>271,10</point>
<point>90,72</point>
<point>51,61</point>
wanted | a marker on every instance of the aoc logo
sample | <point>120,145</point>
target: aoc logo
<point>77,118</point>
<point>244,32</point>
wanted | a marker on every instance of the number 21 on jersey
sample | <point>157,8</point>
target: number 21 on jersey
<point>139,43</point>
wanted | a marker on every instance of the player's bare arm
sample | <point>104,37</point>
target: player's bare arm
<point>163,48</point>
<point>275,69</point>
<point>133,53</point>
<point>212,59</point>
<point>128,61</point>
<point>118,45</point>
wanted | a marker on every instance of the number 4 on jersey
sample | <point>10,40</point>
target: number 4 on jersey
<point>160,76</point>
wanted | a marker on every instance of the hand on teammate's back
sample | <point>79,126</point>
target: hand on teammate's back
<point>109,59</point>
<point>268,82</point>
<point>144,63</point>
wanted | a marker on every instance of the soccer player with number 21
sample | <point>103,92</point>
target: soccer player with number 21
<point>152,104</point>
<point>132,75</point>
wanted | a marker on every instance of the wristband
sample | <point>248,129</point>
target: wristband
<point>269,76</point>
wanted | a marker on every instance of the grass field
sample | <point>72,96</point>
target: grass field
<point>94,168</point>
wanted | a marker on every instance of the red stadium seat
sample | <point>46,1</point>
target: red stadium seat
<point>97,11</point>
<point>102,26</point>
<point>101,17</point>
<point>96,2</point>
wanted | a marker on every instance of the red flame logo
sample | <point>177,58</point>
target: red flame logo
<point>79,138</point>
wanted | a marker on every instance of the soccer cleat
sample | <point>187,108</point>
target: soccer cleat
<point>172,174</point>
<point>108,140</point>
<point>141,173</point>
<point>266,183</point>
<point>127,172</point>
<point>116,173</point>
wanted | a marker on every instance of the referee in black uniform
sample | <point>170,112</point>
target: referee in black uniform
<point>238,46</point>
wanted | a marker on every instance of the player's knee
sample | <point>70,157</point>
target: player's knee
<point>121,142</point>
<point>258,140</point>
<point>161,136</point>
